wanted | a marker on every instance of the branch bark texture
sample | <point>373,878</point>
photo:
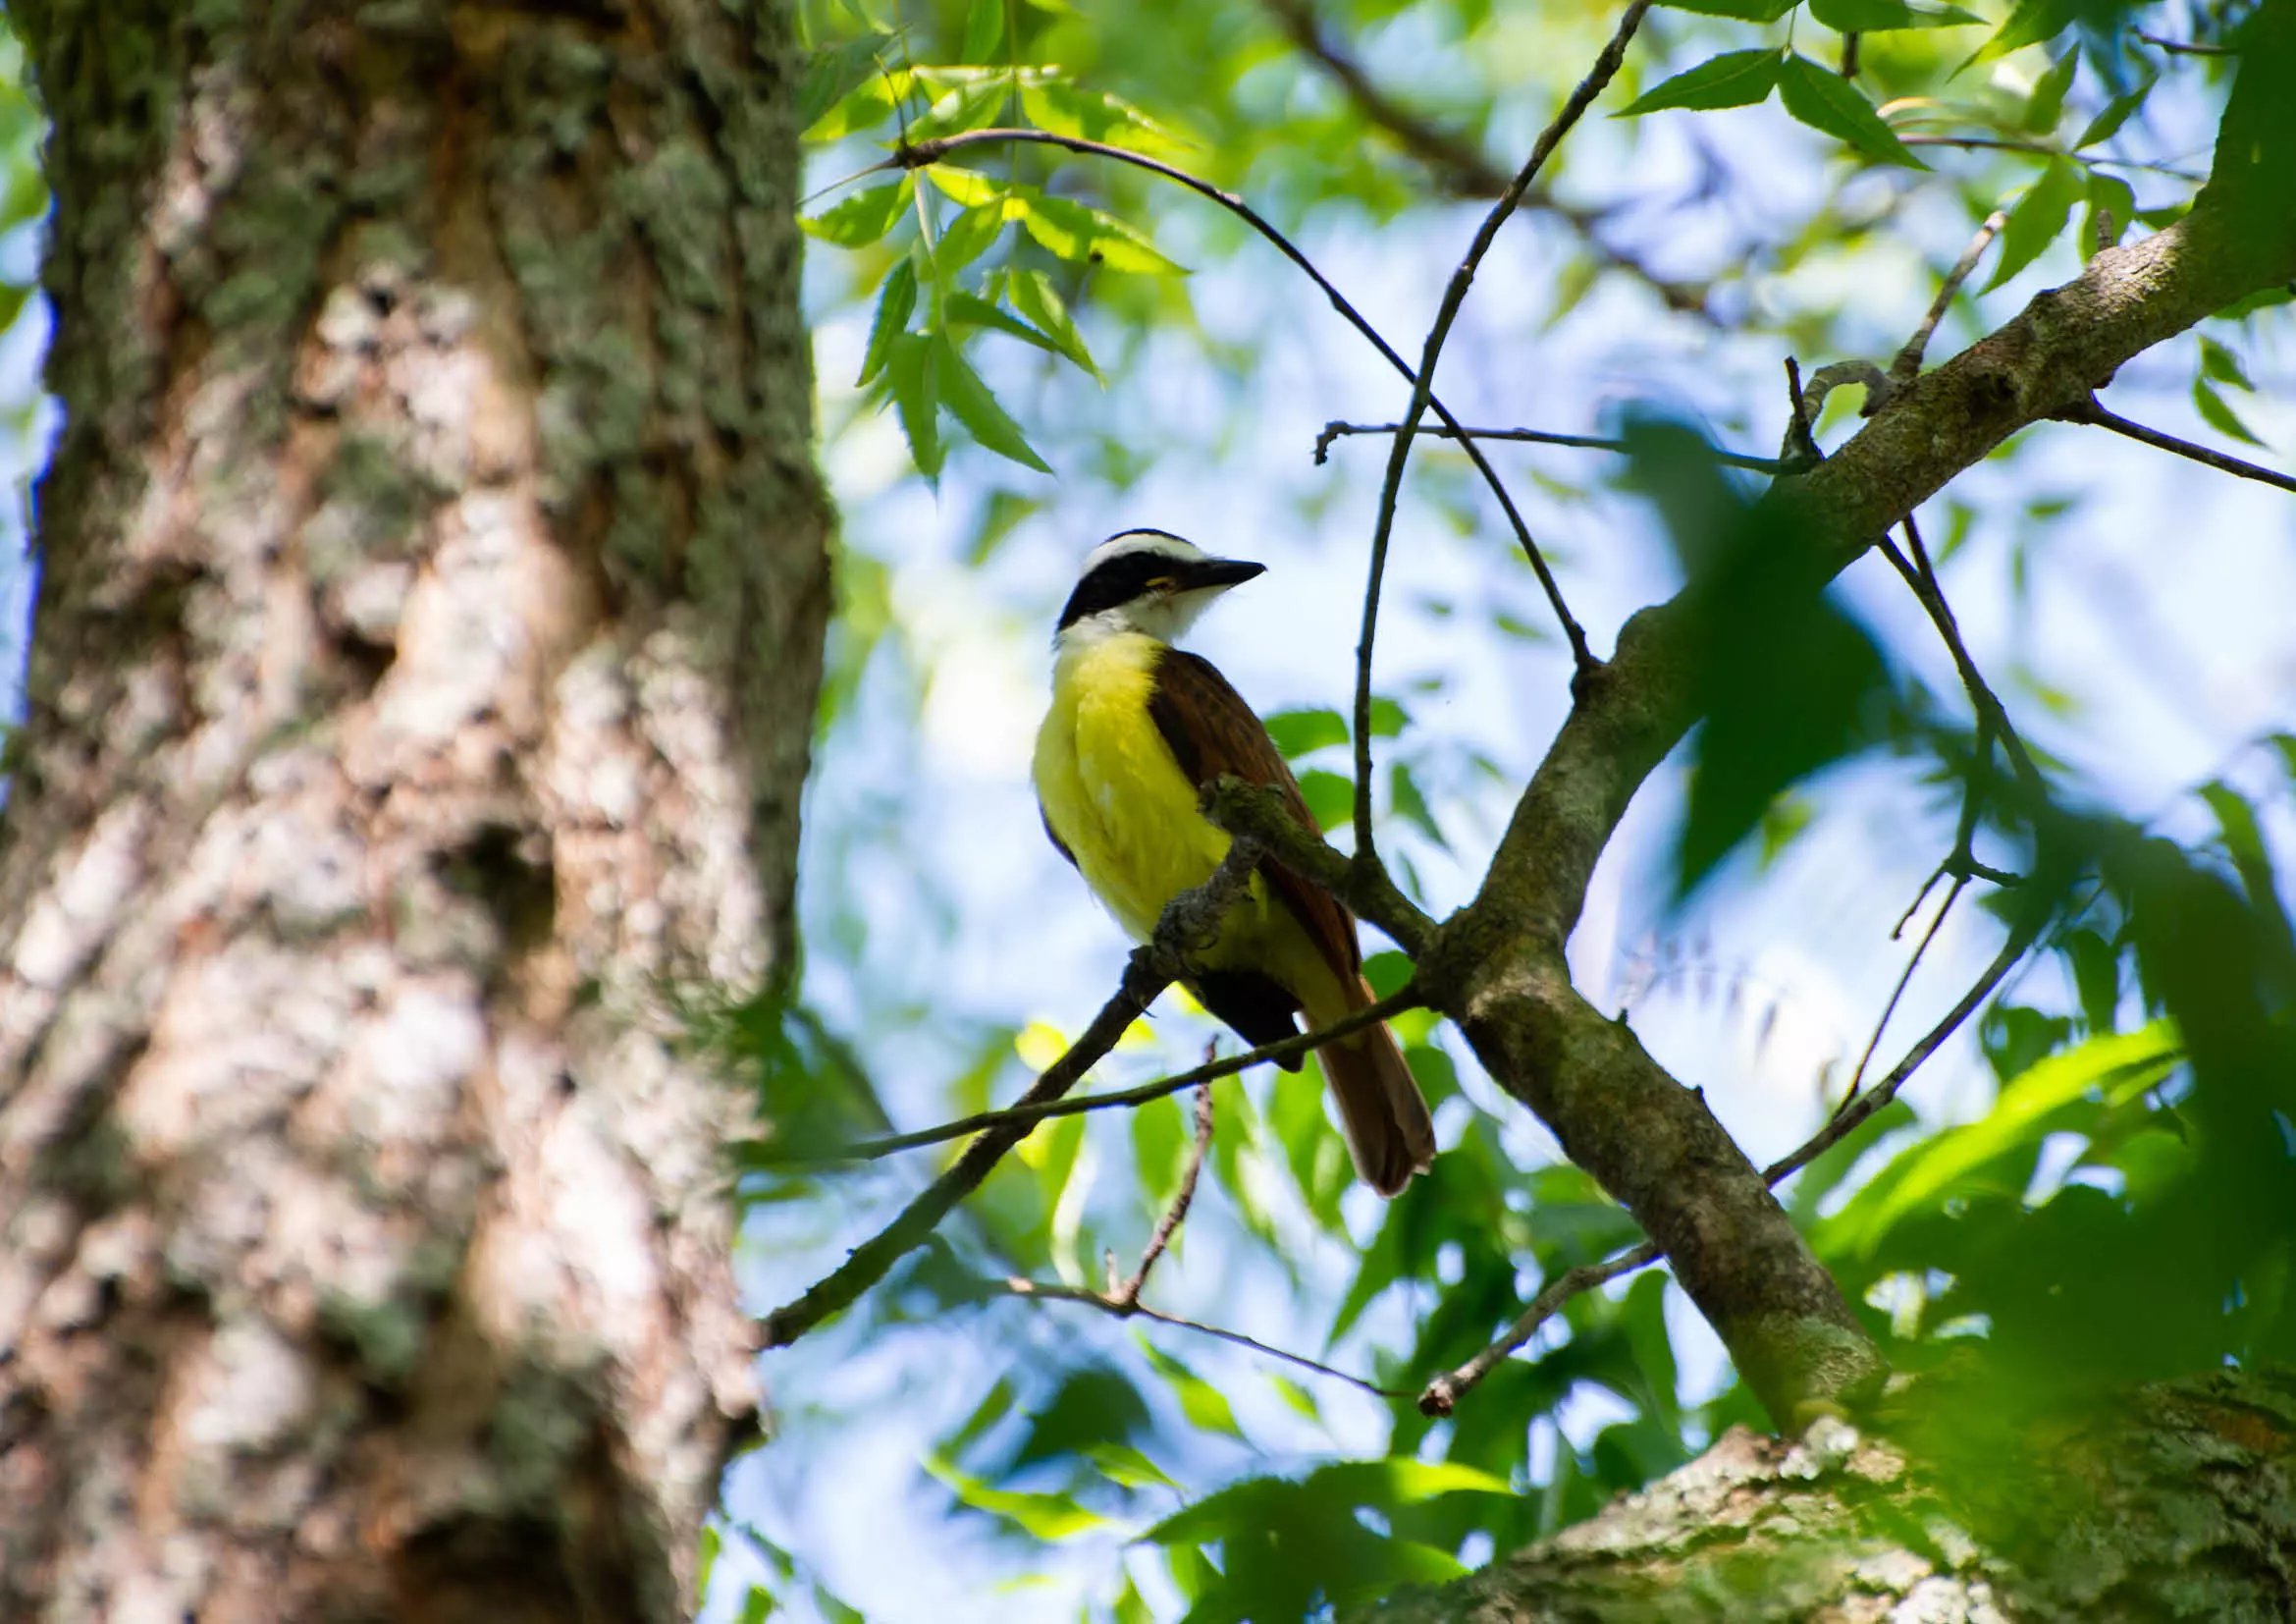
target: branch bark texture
<point>1498,966</point>
<point>434,585</point>
<point>2173,1502</point>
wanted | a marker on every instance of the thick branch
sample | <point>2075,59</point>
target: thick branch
<point>1189,921</point>
<point>1498,968</point>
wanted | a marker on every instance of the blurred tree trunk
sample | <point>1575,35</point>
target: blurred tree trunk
<point>422,683</point>
<point>2176,1500</point>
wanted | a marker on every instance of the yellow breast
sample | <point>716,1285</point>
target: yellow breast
<point>1111,790</point>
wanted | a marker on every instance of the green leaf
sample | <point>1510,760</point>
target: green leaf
<point>1412,806</point>
<point>965,188</point>
<point>1046,1516</point>
<point>896,302</point>
<point>2030,22</point>
<point>864,217</point>
<point>966,237</point>
<point>2220,366</point>
<point>910,367</point>
<point>2036,219</point>
<point>1301,733</point>
<point>983,30</point>
<point>1883,16</point>
<point>1828,102</point>
<point>1736,79</point>
<point>973,104</point>
<point>2122,1065</point>
<point>1745,11</point>
<point>1387,716</point>
<point>2217,415</point>
<point>1033,294</point>
<point>1070,230</point>
<point>1329,795</point>
<point>757,1606</point>
<point>969,402</point>
<point>832,77</point>
<point>2117,112</point>
<point>2046,105</point>
<point>1121,1463</point>
<point>1067,109</point>
<point>1204,1404</point>
<point>962,310</point>
<point>866,106</point>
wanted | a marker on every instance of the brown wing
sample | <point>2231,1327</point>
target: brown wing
<point>1211,733</point>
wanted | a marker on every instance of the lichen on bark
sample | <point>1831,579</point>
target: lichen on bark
<point>422,675</point>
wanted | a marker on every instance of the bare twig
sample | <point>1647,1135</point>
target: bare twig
<point>1839,374</point>
<point>2091,411</point>
<point>1442,1394</point>
<point>1461,164</point>
<point>917,154</point>
<point>1906,979</point>
<point>2041,149</point>
<point>1907,366</point>
<point>1127,1294</point>
<point>1922,579</point>
<point>1566,117</point>
<point>1529,436</point>
<point>2184,47</point>
<point>1075,1294</point>
<point>1189,921</point>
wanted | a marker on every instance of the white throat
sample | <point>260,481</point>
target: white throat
<point>1166,619</point>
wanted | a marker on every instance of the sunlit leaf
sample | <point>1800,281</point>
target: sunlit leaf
<point>983,30</point>
<point>896,302</point>
<point>1736,79</point>
<point>969,402</point>
<point>864,217</point>
<point>1882,16</point>
<point>1046,1516</point>
<point>1204,1404</point>
<point>2117,112</point>
<point>910,364</point>
<point>1301,732</point>
<point>1074,231</point>
<point>1033,294</point>
<point>2219,415</point>
<point>1825,100</point>
<point>2037,219</point>
<point>2046,105</point>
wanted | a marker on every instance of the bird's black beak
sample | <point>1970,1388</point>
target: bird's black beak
<point>1219,574</point>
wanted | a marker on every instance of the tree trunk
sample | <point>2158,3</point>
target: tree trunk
<point>426,662</point>
<point>2173,1502</point>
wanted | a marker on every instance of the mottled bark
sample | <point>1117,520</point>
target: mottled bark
<point>2178,1502</point>
<point>422,683</point>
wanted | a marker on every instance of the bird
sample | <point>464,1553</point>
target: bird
<point>1134,732</point>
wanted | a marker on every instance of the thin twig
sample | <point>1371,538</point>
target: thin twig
<point>2184,47</point>
<point>1127,1294</point>
<point>1922,578</point>
<point>2091,411</point>
<point>917,154</point>
<point>2041,149</point>
<point>1189,921</point>
<point>1530,436</point>
<point>1904,980</point>
<point>1026,1116</point>
<point>1422,394</point>
<point>1443,1393</point>
<point>1075,1294</point>
<point>1462,165</point>
<point>1907,366</point>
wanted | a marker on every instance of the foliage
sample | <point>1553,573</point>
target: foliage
<point>2111,1212</point>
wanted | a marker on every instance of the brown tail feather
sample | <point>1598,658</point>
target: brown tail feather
<point>1385,1116</point>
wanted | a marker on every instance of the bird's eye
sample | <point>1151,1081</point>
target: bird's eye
<point>1163,584</point>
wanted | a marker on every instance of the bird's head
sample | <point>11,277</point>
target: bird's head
<point>1148,581</point>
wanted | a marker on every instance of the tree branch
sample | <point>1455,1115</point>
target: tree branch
<point>1461,166</point>
<point>1074,1294</point>
<point>1189,923</point>
<point>1368,889</point>
<point>1907,366</point>
<point>1441,1395</point>
<point>2091,411</point>
<point>1532,436</point>
<point>1403,998</point>
<point>1498,968</point>
<point>917,154</point>
<point>1125,1295</point>
<point>1606,65</point>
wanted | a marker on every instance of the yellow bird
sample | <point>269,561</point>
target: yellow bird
<point>1137,728</point>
